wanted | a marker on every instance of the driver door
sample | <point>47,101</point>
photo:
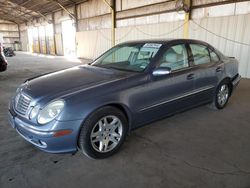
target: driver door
<point>167,94</point>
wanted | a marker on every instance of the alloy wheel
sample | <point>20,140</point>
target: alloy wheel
<point>223,95</point>
<point>106,134</point>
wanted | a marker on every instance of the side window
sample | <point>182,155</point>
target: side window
<point>214,56</point>
<point>200,54</point>
<point>175,57</point>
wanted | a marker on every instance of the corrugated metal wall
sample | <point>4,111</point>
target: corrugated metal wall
<point>9,33</point>
<point>24,40</point>
<point>229,34</point>
<point>224,26</point>
<point>213,30</point>
<point>91,44</point>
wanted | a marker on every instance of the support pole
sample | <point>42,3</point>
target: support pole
<point>113,19</point>
<point>19,35</point>
<point>54,33</point>
<point>186,21</point>
<point>76,18</point>
<point>113,14</point>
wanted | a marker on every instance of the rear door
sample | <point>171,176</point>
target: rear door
<point>206,71</point>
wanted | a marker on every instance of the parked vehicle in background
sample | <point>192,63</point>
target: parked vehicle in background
<point>3,61</point>
<point>130,85</point>
<point>9,52</point>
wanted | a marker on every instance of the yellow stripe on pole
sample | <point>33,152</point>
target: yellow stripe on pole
<point>186,26</point>
<point>186,21</point>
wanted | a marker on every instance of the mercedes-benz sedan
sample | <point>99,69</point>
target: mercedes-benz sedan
<point>93,107</point>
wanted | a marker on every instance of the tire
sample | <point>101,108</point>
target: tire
<point>3,68</point>
<point>222,95</point>
<point>99,140</point>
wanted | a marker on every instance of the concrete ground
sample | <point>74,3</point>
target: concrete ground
<point>197,148</point>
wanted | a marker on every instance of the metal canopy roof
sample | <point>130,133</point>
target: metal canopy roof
<point>20,11</point>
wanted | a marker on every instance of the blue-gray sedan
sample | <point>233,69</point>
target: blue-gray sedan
<point>93,107</point>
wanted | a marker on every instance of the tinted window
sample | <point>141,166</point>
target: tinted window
<point>120,55</point>
<point>130,57</point>
<point>214,56</point>
<point>200,54</point>
<point>175,57</point>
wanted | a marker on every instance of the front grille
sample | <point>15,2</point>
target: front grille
<point>22,104</point>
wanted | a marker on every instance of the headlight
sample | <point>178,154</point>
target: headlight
<point>34,112</point>
<point>50,112</point>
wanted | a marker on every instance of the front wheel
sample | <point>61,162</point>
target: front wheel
<point>221,97</point>
<point>103,133</point>
<point>3,68</point>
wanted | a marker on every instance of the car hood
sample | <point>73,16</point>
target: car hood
<point>71,80</point>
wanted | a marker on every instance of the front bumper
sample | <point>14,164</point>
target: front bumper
<point>45,139</point>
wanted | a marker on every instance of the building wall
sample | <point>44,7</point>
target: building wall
<point>225,26</point>
<point>91,44</point>
<point>229,34</point>
<point>9,33</point>
<point>147,19</point>
<point>24,37</point>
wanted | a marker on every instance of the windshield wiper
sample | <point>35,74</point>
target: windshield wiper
<point>114,68</point>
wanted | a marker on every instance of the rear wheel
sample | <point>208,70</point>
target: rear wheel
<point>103,133</point>
<point>222,95</point>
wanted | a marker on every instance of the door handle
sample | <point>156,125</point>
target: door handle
<point>190,76</point>
<point>218,69</point>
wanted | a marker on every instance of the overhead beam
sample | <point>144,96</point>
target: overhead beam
<point>7,19</point>
<point>65,9</point>
<point>46,19</point>
<point>204,5</point>
<point>16,12</point>
<point>25,2</point>
<point>16,17</point>
<point>37,8</point>
<point>26,13</point>
<point>106,2</point>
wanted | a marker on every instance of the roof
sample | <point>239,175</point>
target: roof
<point>164,41</point>
<point>20,11</point>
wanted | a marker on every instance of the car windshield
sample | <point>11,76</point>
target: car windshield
<point>129,57</point>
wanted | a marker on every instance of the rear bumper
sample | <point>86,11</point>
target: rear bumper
<point>236,80</point>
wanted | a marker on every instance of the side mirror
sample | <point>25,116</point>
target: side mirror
<point>161,71</point>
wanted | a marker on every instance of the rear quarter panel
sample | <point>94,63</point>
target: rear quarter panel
<point>231,67</point>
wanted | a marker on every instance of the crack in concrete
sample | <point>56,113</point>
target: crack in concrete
<point>238,172</point>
